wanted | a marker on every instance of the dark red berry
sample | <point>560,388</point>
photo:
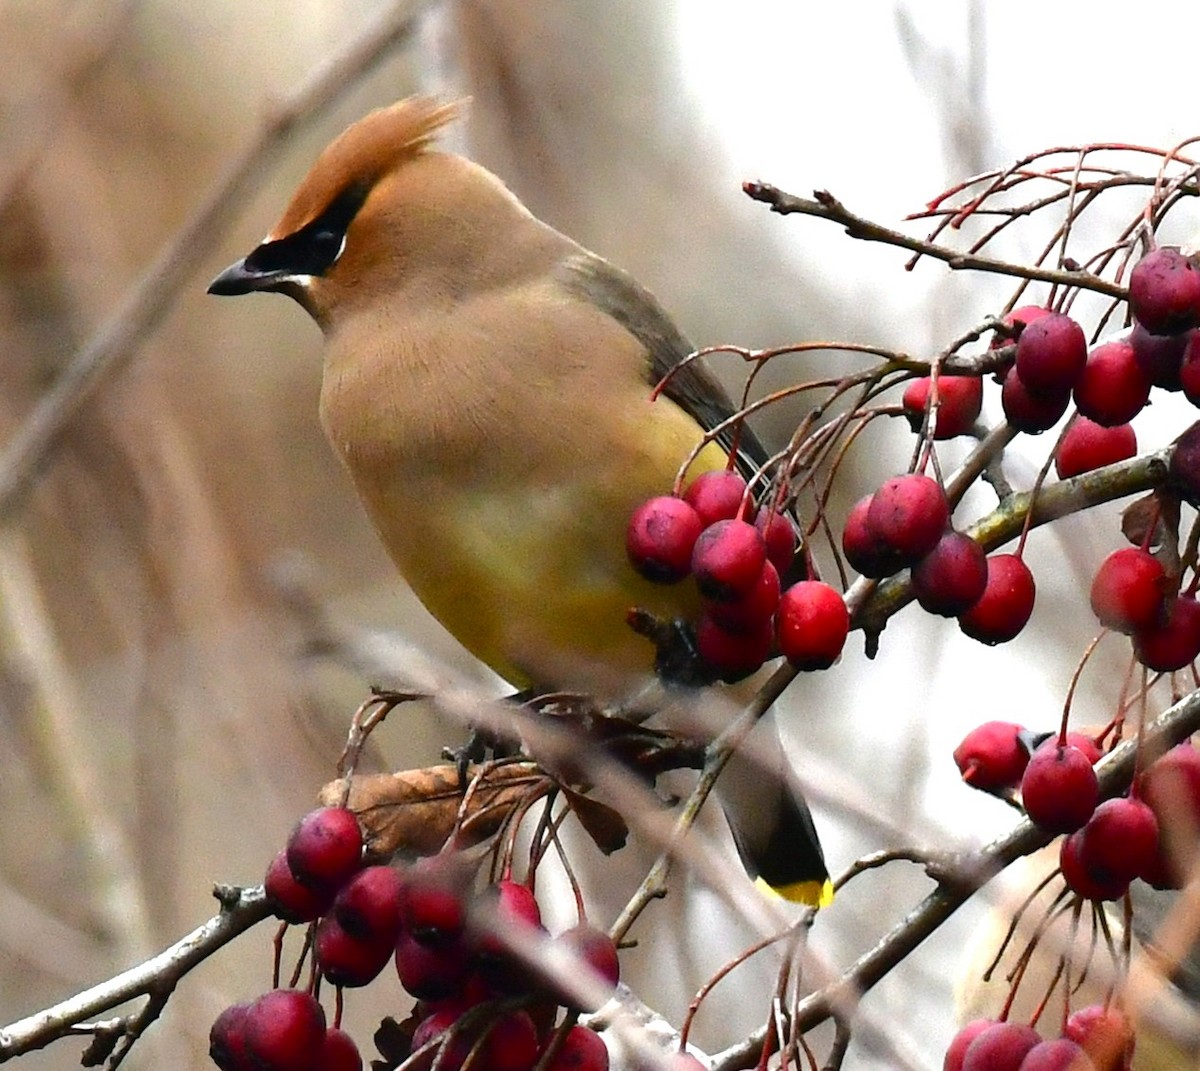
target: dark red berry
<point>1082,880</point>
<point>511,1044</point>
<point>1059,788</point>
<point>597,959</point>
<point>1129,590</point>
<point>960,399</point>
<point>779,534</point>
<point>748,613</point>
<point>992,756</point>
<point>1184,466</point>
<point>863,551</point>
<point>1104,1033</point>
<point>1120,840</point>
<point>582,1050</point>
<point>1175,644</point>
<point>1001,1047</point>
<point>908,515</point>
<point>338,1052</point>
<point>811,625</point>
<point>452,1047</point>
<point>1029,412</point>
<point>1088,446</point>
<point>733,655</point>
<point>1006,604</point>
<point>368,905</point>
<point>227,1039</point>
<point>432,973</point>
<point>325,848</point>
<point>728,559</point>
<point>718,496</point>
<point>1057,1055</point>
<point>1051,353</point>
<point>290,900</point>
<point>953,1060</point>
<point>346,960</point>
<point>661,536</point>
<point>952,577</point>
<point>1159,356</point>
<point>284,1030</point>
<point>433,908</point>
<point>1112,389</point>
<point>1026,314</point>
<point>1189,369</point>
<point>1164,292</point>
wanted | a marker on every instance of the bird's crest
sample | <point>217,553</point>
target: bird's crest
<point>364,153</point>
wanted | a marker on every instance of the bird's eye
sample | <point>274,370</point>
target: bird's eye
<point>315,247</point>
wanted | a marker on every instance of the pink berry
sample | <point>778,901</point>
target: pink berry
<point>993,756</point>
<point>749,613</point>
<point>597,955</point>
<point>908,515</point>
<point>863,550</point>
<point>1088,446</point>
<point>952,577</point>
<point>733,655</point>
<point>291,901</point>
<point>325,848</point>
<point>811,625</point>
<point>1129,590</point>
<point>1112,389</point>
<point>1083,881</point>
<point>1006,604</point>
<point>1105,1034</point>
<point>953,1060</point>
<point>1159,356</point>
<point>284,1030</point>
<point>1001,1047</point>
<point>960,398</point>
<point>1120,839</point>
<point>1164,292</point>
<point>1051,354</point>
<point>1027,411</point>
<point>1057,1055</point>
<point>717,496</point>
<point>728,559</point>
<point>661,536</point>
<point>1059,788</point>
<point>1175,644</point>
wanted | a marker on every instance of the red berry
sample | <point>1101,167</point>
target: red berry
<point>346,960</point>
<point>1059,788</point>
<point>597,955</point>
<point>1029,412</point>
<point>338,1052</point>
<point>227,1039</point>
<point>1057,1055</point>
<point>863,551</point>
<point>284,1030</point>
<point>1176,643</point>
<point>432,973</point>
<point>960,399</point>
<point>1189,369</point>
<point>290,900</point>
<point>1087,745</point>
<point>1120,840</point>
<point>1051,353</point>
<point>452,1050</point>
<point>368,905</point>
<point>1113,389</point>
<point>907,515</point>
<point>811,625</point>
<point>661,536</point>
<point>992,756</point>
<point>1105,1034</point>
<point>780,537</point>
<point>1026,314</point>
<point>1088,446</point>
<point>511,1044</point>
<point>1171,787</point>
<point>1164,292</point>
<point>325,848</point>
<point>733,655</point>
<point>1129,590</point>
<point>728,559</point>
<point>1006,604</point>
<point>506,906</point>
<point>952,577</point>
<point>958,1046</point>
<point>717,496</point>
<point>1082,880</point>
<point>1159,356</point>
<point>1184,466</point>
<point>582,1050</point>
<point>1001,1047</point>
<point>748,613</point>
<point>433,908</point>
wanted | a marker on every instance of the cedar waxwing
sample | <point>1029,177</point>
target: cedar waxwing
<point>487,386</point>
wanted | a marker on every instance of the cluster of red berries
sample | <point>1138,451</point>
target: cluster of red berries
<point>736,558</point>
<point>452,952</point>
<point>1094,1038</point>
<point>1147,834</point>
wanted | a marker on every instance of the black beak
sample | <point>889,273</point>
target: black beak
<point>240,279</point>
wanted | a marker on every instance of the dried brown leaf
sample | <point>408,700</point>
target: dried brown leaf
<point>604,825</point>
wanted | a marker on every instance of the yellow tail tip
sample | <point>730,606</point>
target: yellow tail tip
<point>817,893</point>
